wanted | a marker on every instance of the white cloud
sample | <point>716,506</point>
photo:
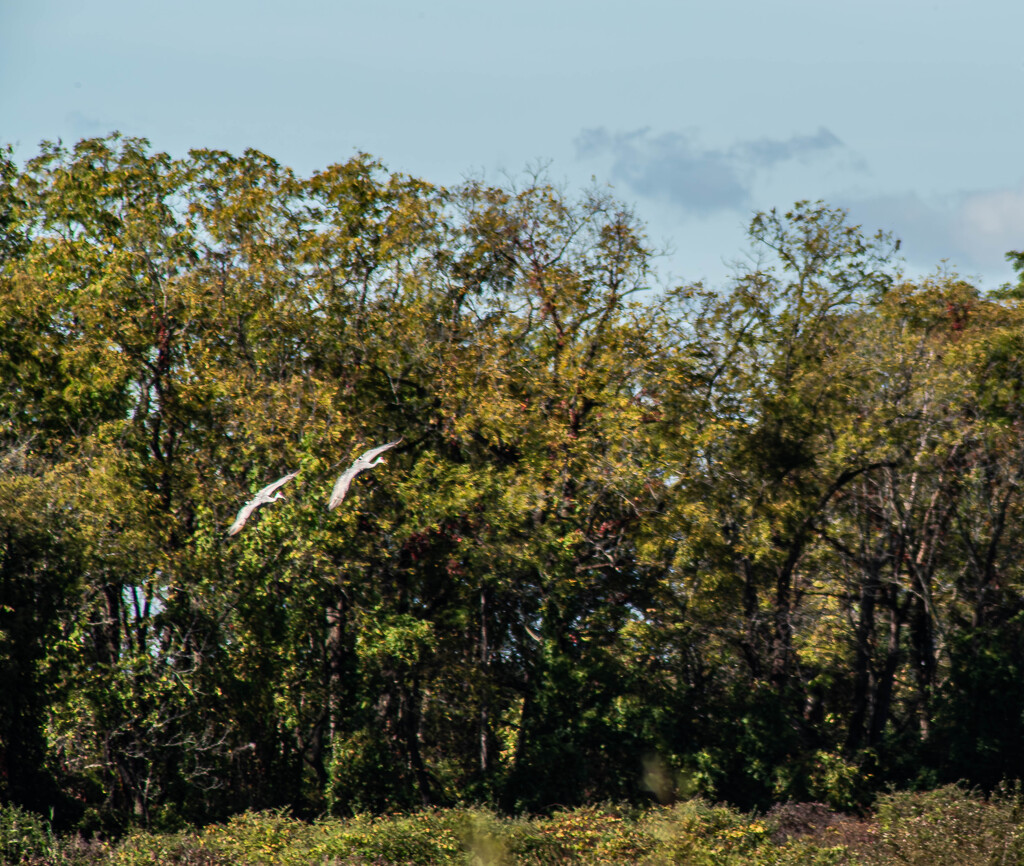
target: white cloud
<point>992,222</point>
<point>675,168</point>
<point>972,230</point>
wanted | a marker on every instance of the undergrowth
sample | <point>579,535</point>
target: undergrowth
<point>948,826</point>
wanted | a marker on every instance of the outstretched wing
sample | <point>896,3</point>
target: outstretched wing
<point>369,456</point>
<point>342,484</point>
<point>243,515</point>
<point>271,489</point>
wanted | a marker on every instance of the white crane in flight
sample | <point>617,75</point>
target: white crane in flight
<point>267,494</point>
<point>365,461</point>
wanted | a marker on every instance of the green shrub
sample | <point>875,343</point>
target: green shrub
<point>945,827</point>
<point>826,777</point>
<point>702,835</point>
<point>178,849</point>
<point>419,839</point>
<point>586,835</point>
<point>24,836</point>
<point>74,850</point>
<point>692,833</point>
<point>949,826</point>
<point>695,832</point>
<point>259,837</point>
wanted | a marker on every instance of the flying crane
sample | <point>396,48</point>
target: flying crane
<point>367,460</point>
<point>267,494</point>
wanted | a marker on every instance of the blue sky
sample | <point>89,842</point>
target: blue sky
<point>906,112</point>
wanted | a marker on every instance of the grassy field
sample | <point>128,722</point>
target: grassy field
<point>948,826</point>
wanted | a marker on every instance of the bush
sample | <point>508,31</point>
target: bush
<point>585,835</point>
<point>945,827</point>
<point>694,833</point>
<point>24,836</point>
<point>179,849</point>
<point>419,839</point>
<point>697,833</point>
<point>950,826</point>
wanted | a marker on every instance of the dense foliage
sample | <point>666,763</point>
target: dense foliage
<point>758,544</point>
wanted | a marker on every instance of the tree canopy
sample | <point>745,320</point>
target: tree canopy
<point>759,542</point>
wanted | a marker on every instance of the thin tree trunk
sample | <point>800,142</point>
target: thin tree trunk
<point>485,762</point>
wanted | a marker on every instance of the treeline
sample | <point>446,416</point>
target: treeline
<point>759,543</point>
